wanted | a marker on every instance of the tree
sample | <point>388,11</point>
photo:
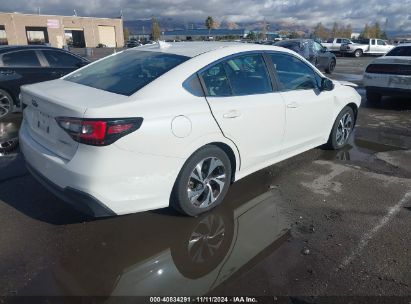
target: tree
<point>155,29</point>
<point>209,23</point>
<point>251,35</point>
<point>320,31</point>
<point>126,33</point>
<point>263,33</point>
<point>335,32</point>
<point>294,35</point>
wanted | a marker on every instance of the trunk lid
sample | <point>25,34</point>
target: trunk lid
<point>59,98</point>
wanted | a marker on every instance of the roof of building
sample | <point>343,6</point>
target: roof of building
<point>192,49</point>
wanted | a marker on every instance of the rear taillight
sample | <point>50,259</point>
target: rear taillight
<point>98,132</point>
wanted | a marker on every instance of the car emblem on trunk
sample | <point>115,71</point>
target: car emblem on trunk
<point>34,103</point>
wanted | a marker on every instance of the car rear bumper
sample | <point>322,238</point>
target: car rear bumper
<point>387,83</point>
<point>79,200</point>
<point>106,180</point>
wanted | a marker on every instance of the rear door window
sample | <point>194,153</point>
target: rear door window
<point>58,59</point>
<point>216,81</point>
<point>127,72</point>
<point>248,75</point>
<point>21,59</point>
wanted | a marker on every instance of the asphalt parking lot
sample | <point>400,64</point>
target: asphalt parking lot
<point>324,223</point>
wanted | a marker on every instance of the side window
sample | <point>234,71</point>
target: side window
<point>21,59</point>
<point>345,41</point>
<point>380,42</point>
<point>317,47</point>
<point>57,59</point>
<point>248,75</point>
<point>338,40</point>
<point>216,82</point>
<point>294,74</point>
<point>373,42</point>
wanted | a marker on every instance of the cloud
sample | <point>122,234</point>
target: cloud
<point>298,12</point>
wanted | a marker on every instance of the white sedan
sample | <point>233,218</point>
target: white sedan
<point>389,75</point>
<point>175,124</point>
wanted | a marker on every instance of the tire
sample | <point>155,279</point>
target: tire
<point>8,146</point>
<point>207,189</point>
<point>6,104</point>
<point>342,129</point>
<point>331,66</point>
<point>372,97</point>
<point>358,53</point>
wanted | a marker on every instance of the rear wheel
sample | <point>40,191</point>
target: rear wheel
<point>331,66</point>
<point>358,53</point>
<point>203,182</point>
<point>342,129</point>
<point>373,97</point>
<point>6,104</point>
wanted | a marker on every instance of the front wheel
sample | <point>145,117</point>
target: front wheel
<point>203,181</point>
<point>8,146</point>
<point>342,129</point>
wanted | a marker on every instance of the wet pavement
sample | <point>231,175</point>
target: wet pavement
<point>324,223</point>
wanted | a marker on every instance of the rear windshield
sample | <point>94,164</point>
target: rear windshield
<point>400,51</point>
<point>126,72</point>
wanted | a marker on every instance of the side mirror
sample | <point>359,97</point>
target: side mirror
<point>327,84</point>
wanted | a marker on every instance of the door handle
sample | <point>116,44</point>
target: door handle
<point>232,114</point>
<point>292,105</point>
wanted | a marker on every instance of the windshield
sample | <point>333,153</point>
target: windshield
<point>126,72</point>
<point>400,51</point>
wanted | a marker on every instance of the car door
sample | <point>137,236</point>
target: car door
<point>60,63</point>
<point>308,110</point>
<point>321,54</point>
<point>18,68</point>
<point>381,46</point>
<point>249,111</point>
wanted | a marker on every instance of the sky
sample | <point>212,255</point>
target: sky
<point>296,12</point>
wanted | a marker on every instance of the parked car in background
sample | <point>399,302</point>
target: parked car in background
<point>334,44</point>
<point>313,51</point>
<point>389,75</point>
<point>20,65</point>
<point>366,47</point>
<point>132,43</point>
<point>177,123</point>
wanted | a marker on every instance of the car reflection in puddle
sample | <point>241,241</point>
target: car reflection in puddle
<point>161,254</point>
<point>9,132</point>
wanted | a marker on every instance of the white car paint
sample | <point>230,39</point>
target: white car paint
<point>390,81</point>
<point>137,172</point>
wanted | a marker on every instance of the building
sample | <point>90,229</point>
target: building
<point>58,31</point>
<point>218,34</point>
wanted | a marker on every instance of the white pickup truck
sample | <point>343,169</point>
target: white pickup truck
<point>366,46</point>
<point>334,44</point>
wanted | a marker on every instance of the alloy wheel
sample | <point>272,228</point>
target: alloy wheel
<point>5,104</point>
<point>206,182</point>
<point>344,129</point>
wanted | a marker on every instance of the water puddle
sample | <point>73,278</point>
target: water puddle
<point>359,150</point>
<point>162,253</point>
